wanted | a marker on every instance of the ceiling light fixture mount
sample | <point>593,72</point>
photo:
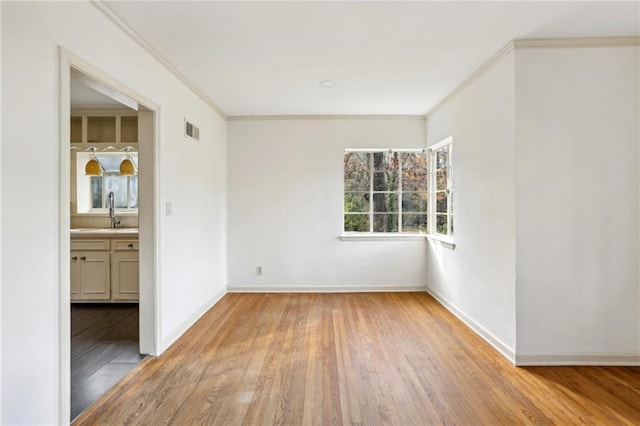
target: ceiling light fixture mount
<point>327,84</point>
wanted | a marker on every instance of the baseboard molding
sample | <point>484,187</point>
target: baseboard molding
<point>486,335</point>
<point>325,289</point>
<point>177,332</point>
<point>578,359</point>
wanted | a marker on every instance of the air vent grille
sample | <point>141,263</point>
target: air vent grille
<point>191,131</point>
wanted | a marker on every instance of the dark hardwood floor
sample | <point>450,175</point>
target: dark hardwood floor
<point>104,349</point>
<point>365,359</point>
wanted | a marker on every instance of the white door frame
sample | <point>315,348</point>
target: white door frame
<point>149,235</point>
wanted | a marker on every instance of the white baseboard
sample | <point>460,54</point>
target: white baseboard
<point>177,332</point>
<point>324,289</point>
<point>578,359</point>
<point>497,344</point>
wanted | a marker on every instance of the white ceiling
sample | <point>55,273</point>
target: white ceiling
<point>82,96</point>
<point>266,58</point>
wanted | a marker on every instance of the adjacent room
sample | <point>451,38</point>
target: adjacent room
<point>343,212</point>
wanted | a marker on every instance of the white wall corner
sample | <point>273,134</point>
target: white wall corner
<point>505,350</point>
<point>178,331</point>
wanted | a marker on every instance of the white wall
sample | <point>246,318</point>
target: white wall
<point>192,176</point>
<point>577,185</point>
<point>477,279</point>
<point>285,207</point>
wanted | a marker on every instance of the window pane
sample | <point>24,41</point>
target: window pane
<point>385,181</point>
<point>356,202</point>
<point>414,181</point>
<point>385,161</point>
<point>96,192</point>
<point>385,203</point>
<point>356,181</point>
<point>356,223</point>
<point>133,192</point>
<point>415,201</point>
<point>110,163</point>
<point>385,223</point>
<point>416,161</point>
<point>117,184</point>
<point>414,222</point>
<point>441,224</point>
<point>356,161</point>
<point>442,158</point>
<point>441,202</point>
<point>441,179</point>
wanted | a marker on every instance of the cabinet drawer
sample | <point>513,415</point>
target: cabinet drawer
<point>90,245</point>
<point>125,245</point>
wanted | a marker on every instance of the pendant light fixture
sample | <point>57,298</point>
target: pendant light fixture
<point>93,167</point>
<point>127,168</point>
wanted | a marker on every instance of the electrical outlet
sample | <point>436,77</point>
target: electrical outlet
<point>258,270</point>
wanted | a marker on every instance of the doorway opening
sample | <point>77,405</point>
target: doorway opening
<point>108,270</point>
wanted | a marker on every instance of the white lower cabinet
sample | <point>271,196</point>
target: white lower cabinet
<point>104,270</point>
<point>125,271</point>
<point>90,275</point>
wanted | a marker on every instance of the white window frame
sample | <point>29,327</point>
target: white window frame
<point>432,233</point>
<point>381,235</point>
<point>444,239</point>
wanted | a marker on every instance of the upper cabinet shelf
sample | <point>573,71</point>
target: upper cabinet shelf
<point>114,127</point>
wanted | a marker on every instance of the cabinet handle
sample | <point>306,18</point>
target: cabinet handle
<point>83,258</point>
<point>130,245</point>
<point>74,258</point>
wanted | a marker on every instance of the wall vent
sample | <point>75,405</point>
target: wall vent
<point>191,131</point>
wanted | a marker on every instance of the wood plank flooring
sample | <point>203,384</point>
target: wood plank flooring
<point>104,349</point>
<point>362,359</point>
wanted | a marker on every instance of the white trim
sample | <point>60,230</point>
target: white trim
<point>502,53</point>
<point>101,6</point>
<point>534,43</point>
<point>150,325</point>
<point>326,289</point>
<point>441,240</point>
<point>178,331</point>
<point>325,117</point>
<point>439,145</point>
<point>579,359</point>
<point>390,236</point>
<point>495,342</point>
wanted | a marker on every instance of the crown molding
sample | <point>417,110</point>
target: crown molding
<point>324,117</point>
<point>508,48</point>
<point>537,43</point>
<point>101,6</point>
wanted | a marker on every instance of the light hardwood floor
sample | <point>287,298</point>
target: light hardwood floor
<point>363,358</point>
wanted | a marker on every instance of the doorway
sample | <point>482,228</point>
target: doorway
<point>136,311</point>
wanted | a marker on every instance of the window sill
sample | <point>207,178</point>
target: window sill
<point>443,241</point>
<point>381,237</point>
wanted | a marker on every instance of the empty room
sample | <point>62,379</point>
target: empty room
<point>336,213</point>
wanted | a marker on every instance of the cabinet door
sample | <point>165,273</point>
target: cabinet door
<point>95,275</point>
<point>75,275</point>
<point>125,275</point>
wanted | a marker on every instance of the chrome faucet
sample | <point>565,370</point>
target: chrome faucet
<point>112,211</point>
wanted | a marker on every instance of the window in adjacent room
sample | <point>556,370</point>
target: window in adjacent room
<point>92,191</point>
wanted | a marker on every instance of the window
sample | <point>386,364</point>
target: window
<point>442,156</point>
<point>386,191</point>
<point>92,191</point>
<point>399,191</point>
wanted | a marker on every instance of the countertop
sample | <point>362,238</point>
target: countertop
<point>130,233</point>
